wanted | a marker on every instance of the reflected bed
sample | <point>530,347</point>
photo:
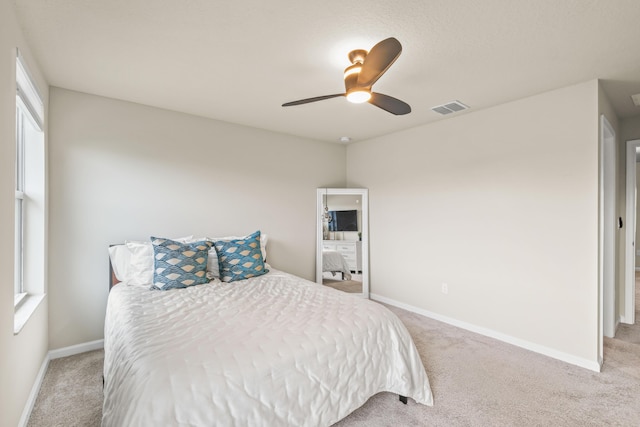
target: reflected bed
<point>333,262</point>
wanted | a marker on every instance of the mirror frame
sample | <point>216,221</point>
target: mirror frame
<point>364,194</point>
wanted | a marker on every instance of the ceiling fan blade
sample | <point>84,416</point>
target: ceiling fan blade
<point>390,104</point>
<point>308,100</point>
<point>378,60</point>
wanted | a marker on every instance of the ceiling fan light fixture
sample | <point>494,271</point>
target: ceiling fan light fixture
<point>365,69</point>
<point>359,96</point>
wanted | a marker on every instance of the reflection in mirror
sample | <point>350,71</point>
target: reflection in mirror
<point>342,254</point>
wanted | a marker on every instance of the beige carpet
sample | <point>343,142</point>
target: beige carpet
<point>476,381</point>
<point>350,286</point>
<point>71,392</point>
<point>631,333</point>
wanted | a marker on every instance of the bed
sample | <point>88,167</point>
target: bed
<point>273,350</point>
<point>333,262</point>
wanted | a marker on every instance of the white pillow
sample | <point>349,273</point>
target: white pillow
<point>120,261</point>
<point>133,261</point>
<point>140,263</point>
<point>213,270</point>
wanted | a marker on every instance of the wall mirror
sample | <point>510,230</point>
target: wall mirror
<point>342,252</point>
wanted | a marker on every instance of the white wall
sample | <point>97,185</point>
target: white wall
<point>22,355</point>
<point>502,205</point>
<point>126,171</point>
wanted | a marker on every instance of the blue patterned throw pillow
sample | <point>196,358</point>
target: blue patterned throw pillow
<point>240,258</point>
<point>178,265</point>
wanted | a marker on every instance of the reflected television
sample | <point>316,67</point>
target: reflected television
<point>343,220</point>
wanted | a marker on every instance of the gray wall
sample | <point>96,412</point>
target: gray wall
<point>502,205</point>
<point>630,129</point>
<point>121,170</point>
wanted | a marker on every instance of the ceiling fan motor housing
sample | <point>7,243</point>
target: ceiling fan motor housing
<point>357,56</point>
<point>351,73</point>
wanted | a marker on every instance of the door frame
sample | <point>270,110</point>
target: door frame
<point>628,315</point>
<point>608,321</point>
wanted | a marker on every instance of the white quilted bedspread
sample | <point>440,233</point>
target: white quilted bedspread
<point>275,350</point>
<point>333,261</point>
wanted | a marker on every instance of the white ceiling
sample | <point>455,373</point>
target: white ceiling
<point>238,61</point>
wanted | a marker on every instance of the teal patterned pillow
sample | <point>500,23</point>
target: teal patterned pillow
<point>178,265</point>
<point>240,258</point>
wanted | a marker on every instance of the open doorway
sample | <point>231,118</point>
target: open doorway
<point>629,294</point>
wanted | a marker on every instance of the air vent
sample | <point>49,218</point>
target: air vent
<point>450,107</point>
<point>636,99</point>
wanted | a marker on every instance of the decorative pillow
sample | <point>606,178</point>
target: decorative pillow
<point>132,261</point>
<point>240,258</point>
<point>213,269</point>
<point>179,265</point>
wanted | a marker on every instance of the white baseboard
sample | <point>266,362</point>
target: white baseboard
<point>592,365</point>
<point>33,395</point>
<point>76,349</point>
<point>53,354</point>
<point>625,320</point>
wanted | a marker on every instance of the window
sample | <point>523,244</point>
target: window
<point>29,197</point>
<point>19,231</point>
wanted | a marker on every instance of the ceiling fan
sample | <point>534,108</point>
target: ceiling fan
<point>365,70</point>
